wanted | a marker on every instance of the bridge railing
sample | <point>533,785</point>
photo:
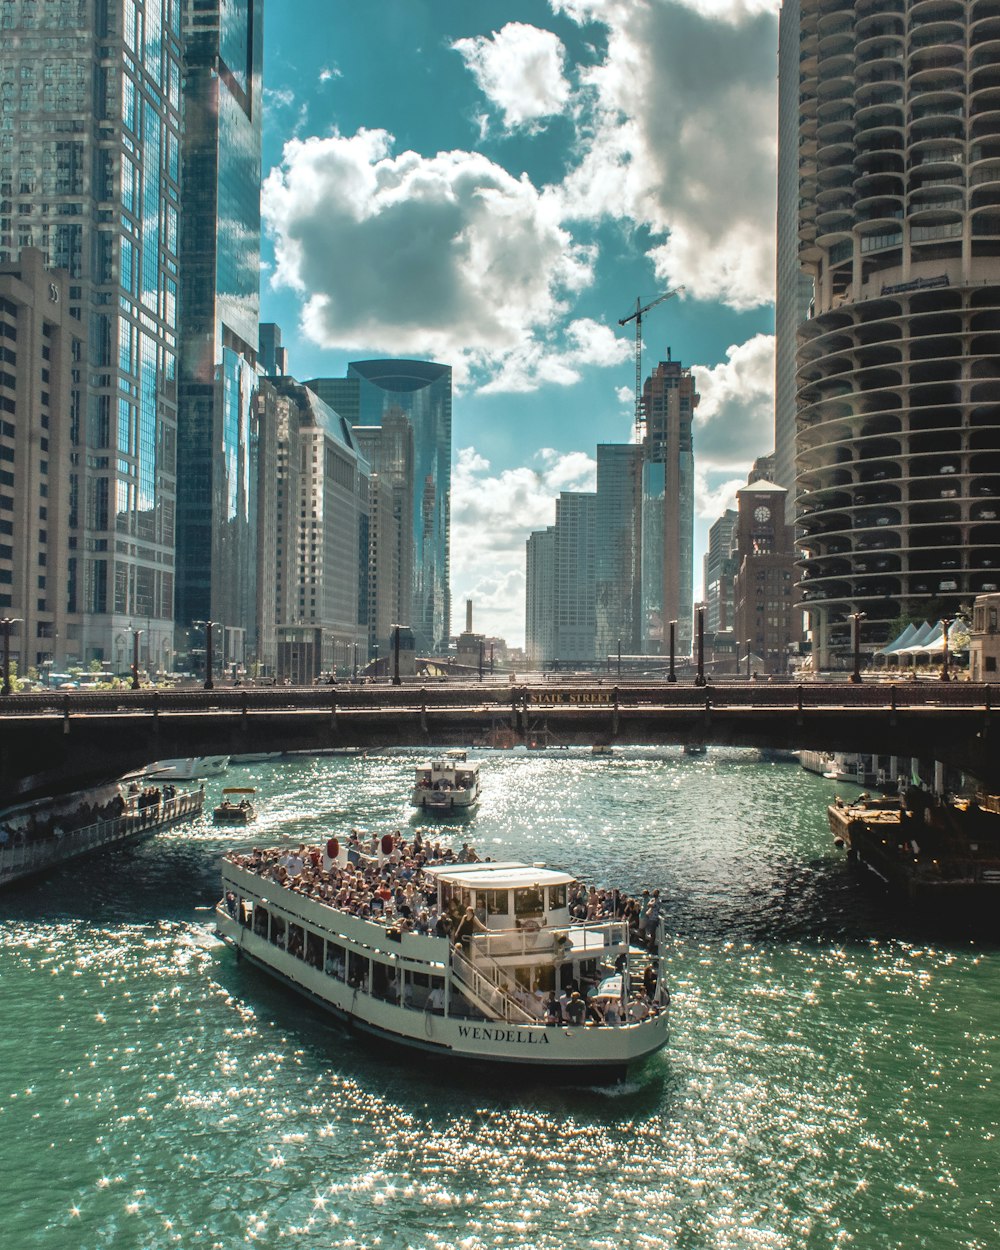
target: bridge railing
<point>591,695</point>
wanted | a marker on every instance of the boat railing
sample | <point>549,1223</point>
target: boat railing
<point>21,857</point>
<point>487,994</point>
<point>535,940</point>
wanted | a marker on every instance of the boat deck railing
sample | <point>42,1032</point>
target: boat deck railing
<point>19,858</point>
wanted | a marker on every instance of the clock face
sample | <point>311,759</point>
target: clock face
<point>762,513</point>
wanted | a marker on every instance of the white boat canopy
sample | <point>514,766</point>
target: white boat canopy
<point>509,875</point>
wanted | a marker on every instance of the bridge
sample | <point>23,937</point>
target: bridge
<point>57,741</point>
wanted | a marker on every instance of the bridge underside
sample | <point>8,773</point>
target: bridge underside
<point>51,753</point>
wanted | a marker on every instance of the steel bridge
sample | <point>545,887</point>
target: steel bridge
<point>64,740</point>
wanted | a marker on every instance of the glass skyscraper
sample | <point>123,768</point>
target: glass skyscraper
<point>90,134</point>
<point>421,390</point>
<point>619,476</point>
<point>667,525</point>
<point>220,262</point>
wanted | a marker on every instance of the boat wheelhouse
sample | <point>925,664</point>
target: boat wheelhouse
<point>447,783</point>
<point>487,993</point>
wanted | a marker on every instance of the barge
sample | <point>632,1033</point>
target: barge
<point>938,857</point>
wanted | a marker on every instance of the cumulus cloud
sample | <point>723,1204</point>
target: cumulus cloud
<point>447,256</point>
<point>734,422</point>
<point>492,515</point>
<point>520,71</point>
<point>683,138</point>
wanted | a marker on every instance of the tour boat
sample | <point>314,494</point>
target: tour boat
<point>188,767</point>
<point>447,783</point>
<point>480,998</point>
<point>236,807</point>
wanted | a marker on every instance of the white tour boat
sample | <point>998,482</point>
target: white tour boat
<point>188,768</point>
<point>447,783</point>
<point>488,997</point>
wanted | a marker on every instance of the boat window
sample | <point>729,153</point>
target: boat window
<point>246,911</point>
<point>557,896</point>
<point>497,903</point>
<point>529,901</point>
<point>335,962</point>
<point>385,981</point>
<point>260,919</point>
<point>296,945</point>
<point>357,972</point>
<point>278,931</point>
<point>314,950</point>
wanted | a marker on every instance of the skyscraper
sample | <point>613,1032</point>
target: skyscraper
<point>667,554</point>
<point>90,134</point>
<point>720,567</point>
<point>793,288</point>
<point>898,420</point>
<point>40,349</point>
<point>540,596</point>
<point>421,391</point>
<point>323,510</point>
<point>388,448</point>
<point>619,478</point>
<point>575,568</point>
<point>220,289</point>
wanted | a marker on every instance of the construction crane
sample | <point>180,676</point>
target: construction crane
<point>641,308</point>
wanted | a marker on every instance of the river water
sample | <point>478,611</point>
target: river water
<point>831,1078</point>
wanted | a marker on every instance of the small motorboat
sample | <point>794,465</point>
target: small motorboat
<point>236,807</point>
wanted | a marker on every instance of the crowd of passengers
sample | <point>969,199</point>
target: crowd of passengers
<point>392,888</point>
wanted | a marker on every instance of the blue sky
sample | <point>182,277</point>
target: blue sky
<point>492,186</point>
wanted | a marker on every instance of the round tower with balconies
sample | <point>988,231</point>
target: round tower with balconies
<point>898,369</point>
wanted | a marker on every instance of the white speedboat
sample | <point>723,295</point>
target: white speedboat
<point>188,767</point>
<point>447,783</point>
<point>487,993</point>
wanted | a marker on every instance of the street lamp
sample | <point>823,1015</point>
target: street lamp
<point>480,659</point>
<point>209,626</point>
<point>672,676</point>
<point>355,661</point>
<point>749,653</point>
<point>857,618</point>
<point>946,624</point>
<point>135,657</point>
<point>619,659</point>
<point>395,656</point>
<point>700,679</point>
<point>7,622</point>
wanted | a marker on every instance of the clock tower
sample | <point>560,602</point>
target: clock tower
<point>765,620</point>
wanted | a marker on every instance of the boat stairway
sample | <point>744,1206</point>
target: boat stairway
<point>485,994</point>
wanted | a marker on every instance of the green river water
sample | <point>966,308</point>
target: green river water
<point>831,1078</point>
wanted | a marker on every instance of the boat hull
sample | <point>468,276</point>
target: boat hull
<point>570,1052</point>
